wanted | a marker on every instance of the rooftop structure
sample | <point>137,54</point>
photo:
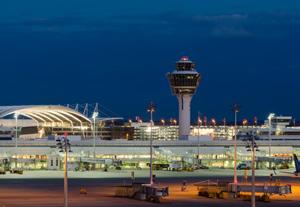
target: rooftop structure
<point>49,121</point>
<point>54,117</point>
<point>47,115</point>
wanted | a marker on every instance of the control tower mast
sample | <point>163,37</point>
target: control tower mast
<point>184,82</point>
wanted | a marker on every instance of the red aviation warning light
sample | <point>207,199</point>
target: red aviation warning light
<point>184,58</point>
<point>213,122</point>
<point>199,121</point>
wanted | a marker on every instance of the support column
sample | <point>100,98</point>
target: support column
<point>184,101</point>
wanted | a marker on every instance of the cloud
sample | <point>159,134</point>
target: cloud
<point>230,31</point>
<point>224,17</point>
<point>169,23</point>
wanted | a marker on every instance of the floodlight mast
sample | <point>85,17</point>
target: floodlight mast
<point>198,143</point>
<point>252,147</point>
<point>95,115</point>
<point>270,117</point>
<point>236,109</point>
<point>63,144</point>
<point>151,109</point>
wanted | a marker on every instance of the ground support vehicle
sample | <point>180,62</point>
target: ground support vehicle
<point>141,191</point>
<point>213,189</point>
<point>2,171</point>
<point>263,191</point>
<point>16,171</point>
<point>226,190</point>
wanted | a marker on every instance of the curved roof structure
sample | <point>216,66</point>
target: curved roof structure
<point>44,114</point>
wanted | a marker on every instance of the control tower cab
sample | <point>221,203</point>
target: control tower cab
<point>184,82</point>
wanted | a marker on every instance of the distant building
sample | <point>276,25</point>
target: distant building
<point>49,121</point>
<point>143,131</point>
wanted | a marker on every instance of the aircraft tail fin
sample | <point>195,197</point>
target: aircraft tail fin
<point>297,164</point>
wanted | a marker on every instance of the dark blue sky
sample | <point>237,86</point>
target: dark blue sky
<point>117,53</point>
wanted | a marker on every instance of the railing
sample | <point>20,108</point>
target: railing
<point>156,143</point>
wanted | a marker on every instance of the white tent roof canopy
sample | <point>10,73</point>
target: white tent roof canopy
<point>46,114</point>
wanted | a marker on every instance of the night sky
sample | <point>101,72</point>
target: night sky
<point>118,52</point>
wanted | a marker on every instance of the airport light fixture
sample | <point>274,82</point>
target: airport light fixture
<point>95,115</point>
<point>199,121</point>
<point>174,121</point>
<point>270,117</point>
<point>64,146</point>
<point>224,122</point>
<point>255,121</point>
<point>236,109</point>
<point>151,109</point>
<point>213,122</point>
<point>252,147</point>
<point>245,122</point>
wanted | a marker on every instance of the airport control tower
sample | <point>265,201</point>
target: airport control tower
<point>184,82</point>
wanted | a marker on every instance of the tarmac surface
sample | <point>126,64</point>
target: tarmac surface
<point>45,188</point>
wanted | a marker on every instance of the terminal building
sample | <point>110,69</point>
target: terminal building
<point>28,134</point>
<point>43,121</point>
<point>48,122</point>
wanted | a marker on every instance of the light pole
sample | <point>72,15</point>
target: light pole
<point>16,116</point>
<point>270,117</point>
<point>64,145</point>
<point>151,109</point>
<point>224,123</point>
<point>252,146</point>
<point>236,109</point>
<point>198,146</point>
<point>162,121</point>
<point>95,115</point>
